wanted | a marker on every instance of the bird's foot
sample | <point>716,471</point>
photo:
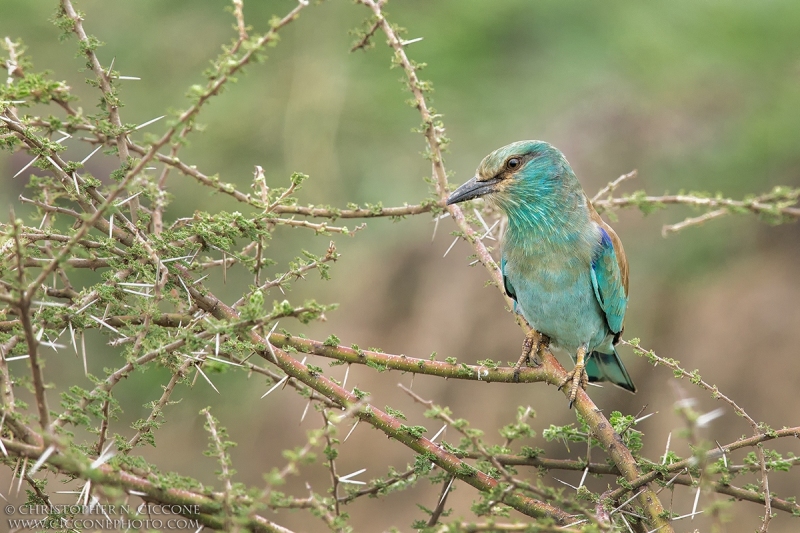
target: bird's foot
<point>578,377</point>
<point>530,350</point>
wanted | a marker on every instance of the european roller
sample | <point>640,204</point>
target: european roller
<point>561,263</point>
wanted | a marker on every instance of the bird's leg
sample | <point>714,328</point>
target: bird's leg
<point>530,351</point>
<point>544,346</point>
<point>578,376</point>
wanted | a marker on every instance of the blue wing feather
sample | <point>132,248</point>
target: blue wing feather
<point>506,283</point>
<point>607,283</point>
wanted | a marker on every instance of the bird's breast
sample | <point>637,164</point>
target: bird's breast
<point>555,295</point>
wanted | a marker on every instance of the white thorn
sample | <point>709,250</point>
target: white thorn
<point>724,455</point>
<point>627,524</point>
<point>623,504</point>
<point>85,306</point>
<point>84,495</point>
<point>83,352</point>
<point>232,363</point>
<point>346,374</point>
<point>666,451</point>
<point>480,218</point>
<point>128,199</point>
<point>583,477</point>
<point>3,446</point>
<point>278,384</point>
<point>439,433</point>
<point>14,475</point>
<point>305,411</point>
<point>52,162</point>
<point>686,515</point>
<point>489,231</point>
<point>22,474</point>
<point>206,378</point>
<point>451,247</point>
<point>271,350</point>
<point>346,479</point>
<point>188,294</point>
<point>144,124</point>
<point>696,500</point>
<point>170,260</point>
<point>411,41</point>
<point>668,483</point>
<point>49,304</point>
<point>351,430</point>
<point>104,323</point>
<point>42,458</point>
<point>703,420</point>
<point>137,293</point>
<point>53,345</point>
<point>105,455</point>
<point>85,159</point>
<point>23,169</point>
<point>435,227</point>
<point>565,483</point>
<point>447,489</point>
<point>685,402</point>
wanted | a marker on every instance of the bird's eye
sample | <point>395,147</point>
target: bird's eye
<point>513,163</point>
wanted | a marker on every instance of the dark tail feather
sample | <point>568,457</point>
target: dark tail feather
<point>609,367</point>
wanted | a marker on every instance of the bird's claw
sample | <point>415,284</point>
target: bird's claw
<point>578,377</point>
<point>530,350</point>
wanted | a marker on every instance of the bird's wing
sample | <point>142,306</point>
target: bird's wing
<point>622,259</point>
<point>610,280</point>
<point>506,282</point>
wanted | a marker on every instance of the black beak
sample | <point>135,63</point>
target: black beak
<point>472,189</point>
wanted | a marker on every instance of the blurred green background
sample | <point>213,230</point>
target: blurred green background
<point>695,95</point>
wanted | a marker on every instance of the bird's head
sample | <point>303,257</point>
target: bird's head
<point>518,174</point>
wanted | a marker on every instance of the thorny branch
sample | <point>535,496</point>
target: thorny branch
<point>152,292</point>
<point>758,429</point>
<point>433,131</point>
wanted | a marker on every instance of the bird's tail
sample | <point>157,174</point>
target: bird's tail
<point>608,367</point>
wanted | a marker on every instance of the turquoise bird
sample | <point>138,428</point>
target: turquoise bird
<point>562,264</point>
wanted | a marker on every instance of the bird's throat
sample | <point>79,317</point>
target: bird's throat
<point>538,228</point>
